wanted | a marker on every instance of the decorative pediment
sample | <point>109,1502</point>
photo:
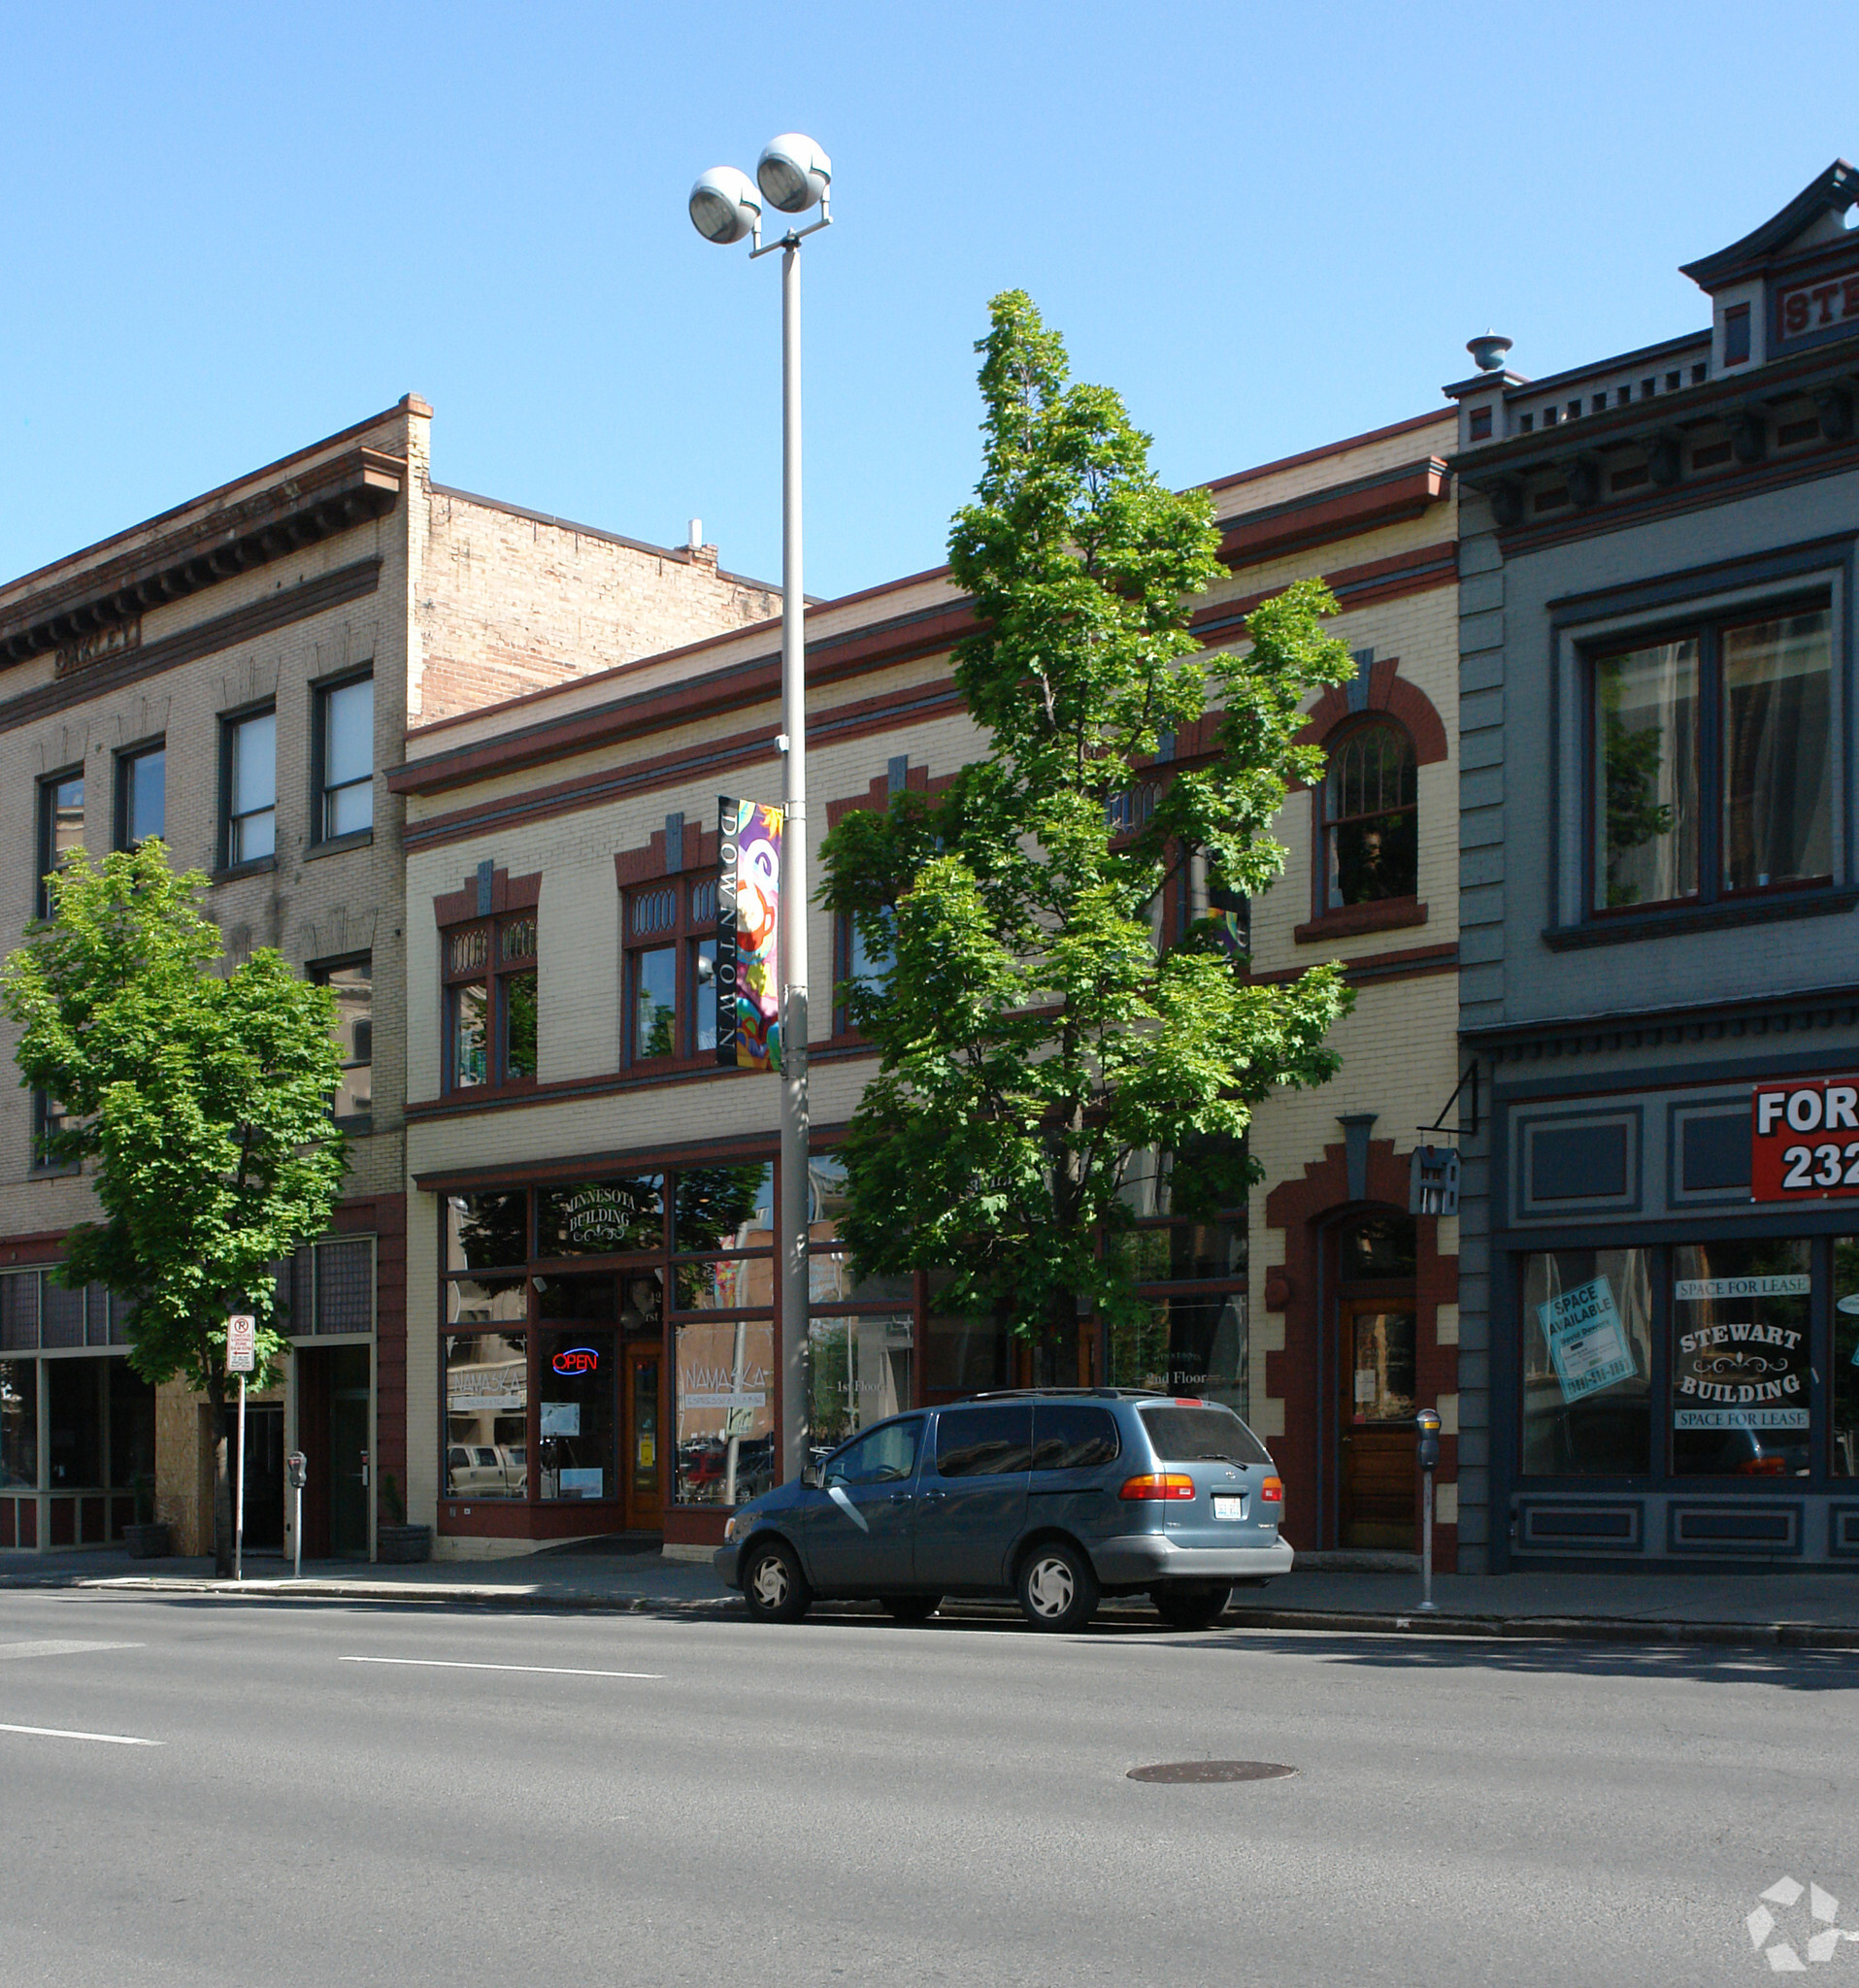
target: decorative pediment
<point>1812,219</point>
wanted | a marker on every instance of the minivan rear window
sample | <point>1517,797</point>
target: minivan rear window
<point>1068,1435</point>
<point>1201,1435</point>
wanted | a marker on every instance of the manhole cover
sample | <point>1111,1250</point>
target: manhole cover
<point>1212,1770</point>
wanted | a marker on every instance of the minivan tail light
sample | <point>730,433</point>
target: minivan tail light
<point>1272,1491</point>
<point>1158,1484</point>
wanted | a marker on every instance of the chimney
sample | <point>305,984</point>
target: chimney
<point>695,550</point>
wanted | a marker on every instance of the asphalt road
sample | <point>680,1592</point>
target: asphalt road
<point>336,1795</point>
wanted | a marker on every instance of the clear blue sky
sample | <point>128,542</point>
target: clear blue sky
<point>230,229</point>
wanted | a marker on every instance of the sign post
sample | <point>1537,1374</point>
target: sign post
<point>241,1356</point>
<point>296,1471</point>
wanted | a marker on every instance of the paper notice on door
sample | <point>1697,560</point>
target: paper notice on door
<point>1587,1343</point>
<point>1365,1389</point>
<point>561,1418</point>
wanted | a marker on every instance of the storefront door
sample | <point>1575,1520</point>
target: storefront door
<point>1376,1504</point>
<point>348,1449</point>
<point>645,1502</point>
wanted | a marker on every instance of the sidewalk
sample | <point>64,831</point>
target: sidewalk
<point>1798,1609</point>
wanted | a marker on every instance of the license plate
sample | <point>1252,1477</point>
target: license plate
<point>1228,1508</point>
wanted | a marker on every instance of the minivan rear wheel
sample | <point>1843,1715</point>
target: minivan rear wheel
<point>1057,1586</point>
<point>1190,1604</point>
<point>773,1584</point>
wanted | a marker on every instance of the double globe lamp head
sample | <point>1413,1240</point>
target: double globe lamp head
<point>792,174</point>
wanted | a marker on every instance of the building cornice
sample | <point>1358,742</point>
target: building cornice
<point>102,601</point>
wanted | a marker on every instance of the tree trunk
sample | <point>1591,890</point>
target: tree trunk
<point>222,1480</point>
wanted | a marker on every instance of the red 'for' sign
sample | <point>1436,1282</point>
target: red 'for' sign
<point>1805,1139</point>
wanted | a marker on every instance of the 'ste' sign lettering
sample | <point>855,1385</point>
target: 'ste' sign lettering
<point>1805,1139</point>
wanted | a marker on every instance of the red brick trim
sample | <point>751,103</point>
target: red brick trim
<point>701,849</point>
<point>1308,1208</point>
<point>877,798</point>
<point>1344,922</point>
<point>508,893</point>
<point>1390,692</point>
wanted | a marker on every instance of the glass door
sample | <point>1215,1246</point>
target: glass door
<point>645,1502</point>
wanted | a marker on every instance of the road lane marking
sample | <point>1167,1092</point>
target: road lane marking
<point>62,1649</point>
<point>542,1669</point>
<point>102,1739</point>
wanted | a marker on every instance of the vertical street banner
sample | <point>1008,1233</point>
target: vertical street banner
<point>749,909</point>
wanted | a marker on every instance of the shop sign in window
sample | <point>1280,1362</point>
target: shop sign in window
<point>1805,1139</point>
<point>1741,1367</point>
<point>1587,1337</point>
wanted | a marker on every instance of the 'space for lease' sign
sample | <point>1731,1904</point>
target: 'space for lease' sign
<point>1805,1139</point>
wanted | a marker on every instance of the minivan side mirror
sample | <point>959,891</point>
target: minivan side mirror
<point>810,1475</point>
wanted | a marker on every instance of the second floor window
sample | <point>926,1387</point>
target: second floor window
<point>345,758</point>
<point>1712,762</point>
<point>491,1002</point>
<point>670,958</point>
<point>1371,818</point>
<point>351,983</point>
<point>142,795</point>
<point>252,787</point>
<point>60,826</point>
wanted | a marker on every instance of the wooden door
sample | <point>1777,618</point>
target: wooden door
<point>642,1460</point>
<point>1379,1503</point>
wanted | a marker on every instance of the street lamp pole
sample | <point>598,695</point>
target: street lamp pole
<point>725,205</point>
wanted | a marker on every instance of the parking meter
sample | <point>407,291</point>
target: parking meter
<point>1428,1423</point>
<point>296,1476</point>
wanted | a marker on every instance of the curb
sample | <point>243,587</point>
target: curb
<point>1587,1629</point>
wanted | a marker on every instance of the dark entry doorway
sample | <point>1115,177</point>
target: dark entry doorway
<point>264,1473</point>
<point>1376,1342</point>
<point>332,1430</point>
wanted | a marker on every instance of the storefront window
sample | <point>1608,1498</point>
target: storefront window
<point>1741,1366</point>
<point>593,1298</point>
<point>602,1217</point>
<point>486,1414</point>
<point>74,1414</point>
<point>1587,1337</point>
<point>861,1373</point>
<point>963,1354</point>
<point>832,1278</point>
<point>1182,1252</point>
<point>486,1301</point>
<point>1845,1356</point>
<point>725,1207</point>
<point>1186,1345</point>
<point>726,1283</point>
<point>576,1388</point>
<point>726,1411</point>
<point>132,1425</point>
<point>487,1231</point>
<point>18,1424</point>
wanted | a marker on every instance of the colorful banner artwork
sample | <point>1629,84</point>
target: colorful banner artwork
<point>748,907</point>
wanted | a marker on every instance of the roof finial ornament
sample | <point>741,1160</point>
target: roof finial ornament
<point>1487,352</point>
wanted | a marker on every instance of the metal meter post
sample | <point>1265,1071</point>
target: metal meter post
<point>242,1353</point>
<point>1428,1423</point>
<point>296,1474</point>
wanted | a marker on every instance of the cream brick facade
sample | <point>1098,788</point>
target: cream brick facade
<point>341,558</point>
<point>562,784</point>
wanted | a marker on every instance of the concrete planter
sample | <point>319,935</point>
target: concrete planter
<point>403,1545</point>
<point>148,1542</point>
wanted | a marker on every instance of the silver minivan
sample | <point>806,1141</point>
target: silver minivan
<point>1055,1495</point>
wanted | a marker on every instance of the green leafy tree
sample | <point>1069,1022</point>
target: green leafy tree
<point>1034,1037</point>
<point>201,1099</point>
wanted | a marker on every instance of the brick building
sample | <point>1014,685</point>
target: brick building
<point>234,676</point>
<point>592,1338</point>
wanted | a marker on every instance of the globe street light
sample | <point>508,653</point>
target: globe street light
<point>793,175</point>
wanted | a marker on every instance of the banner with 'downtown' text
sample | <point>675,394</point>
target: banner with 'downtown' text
<point>748,913</point>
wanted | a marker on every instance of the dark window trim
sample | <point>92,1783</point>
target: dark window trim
<point>681,938</point>
<point>1711,905</point>
<point>229,721</point>
<point>1321,909</point>
<point>317,971</point>
<point>121,760</point>
<point>39,1168</point>
<point>43,832</point>
<point>496,970</point>
<point>319,692</point>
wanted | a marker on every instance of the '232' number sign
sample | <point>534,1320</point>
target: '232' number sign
<point>1805,1139</point>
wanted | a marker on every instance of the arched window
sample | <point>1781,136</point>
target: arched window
<point>1371,818</point>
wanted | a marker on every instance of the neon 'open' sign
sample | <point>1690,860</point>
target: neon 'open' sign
<point>572,1361</point>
